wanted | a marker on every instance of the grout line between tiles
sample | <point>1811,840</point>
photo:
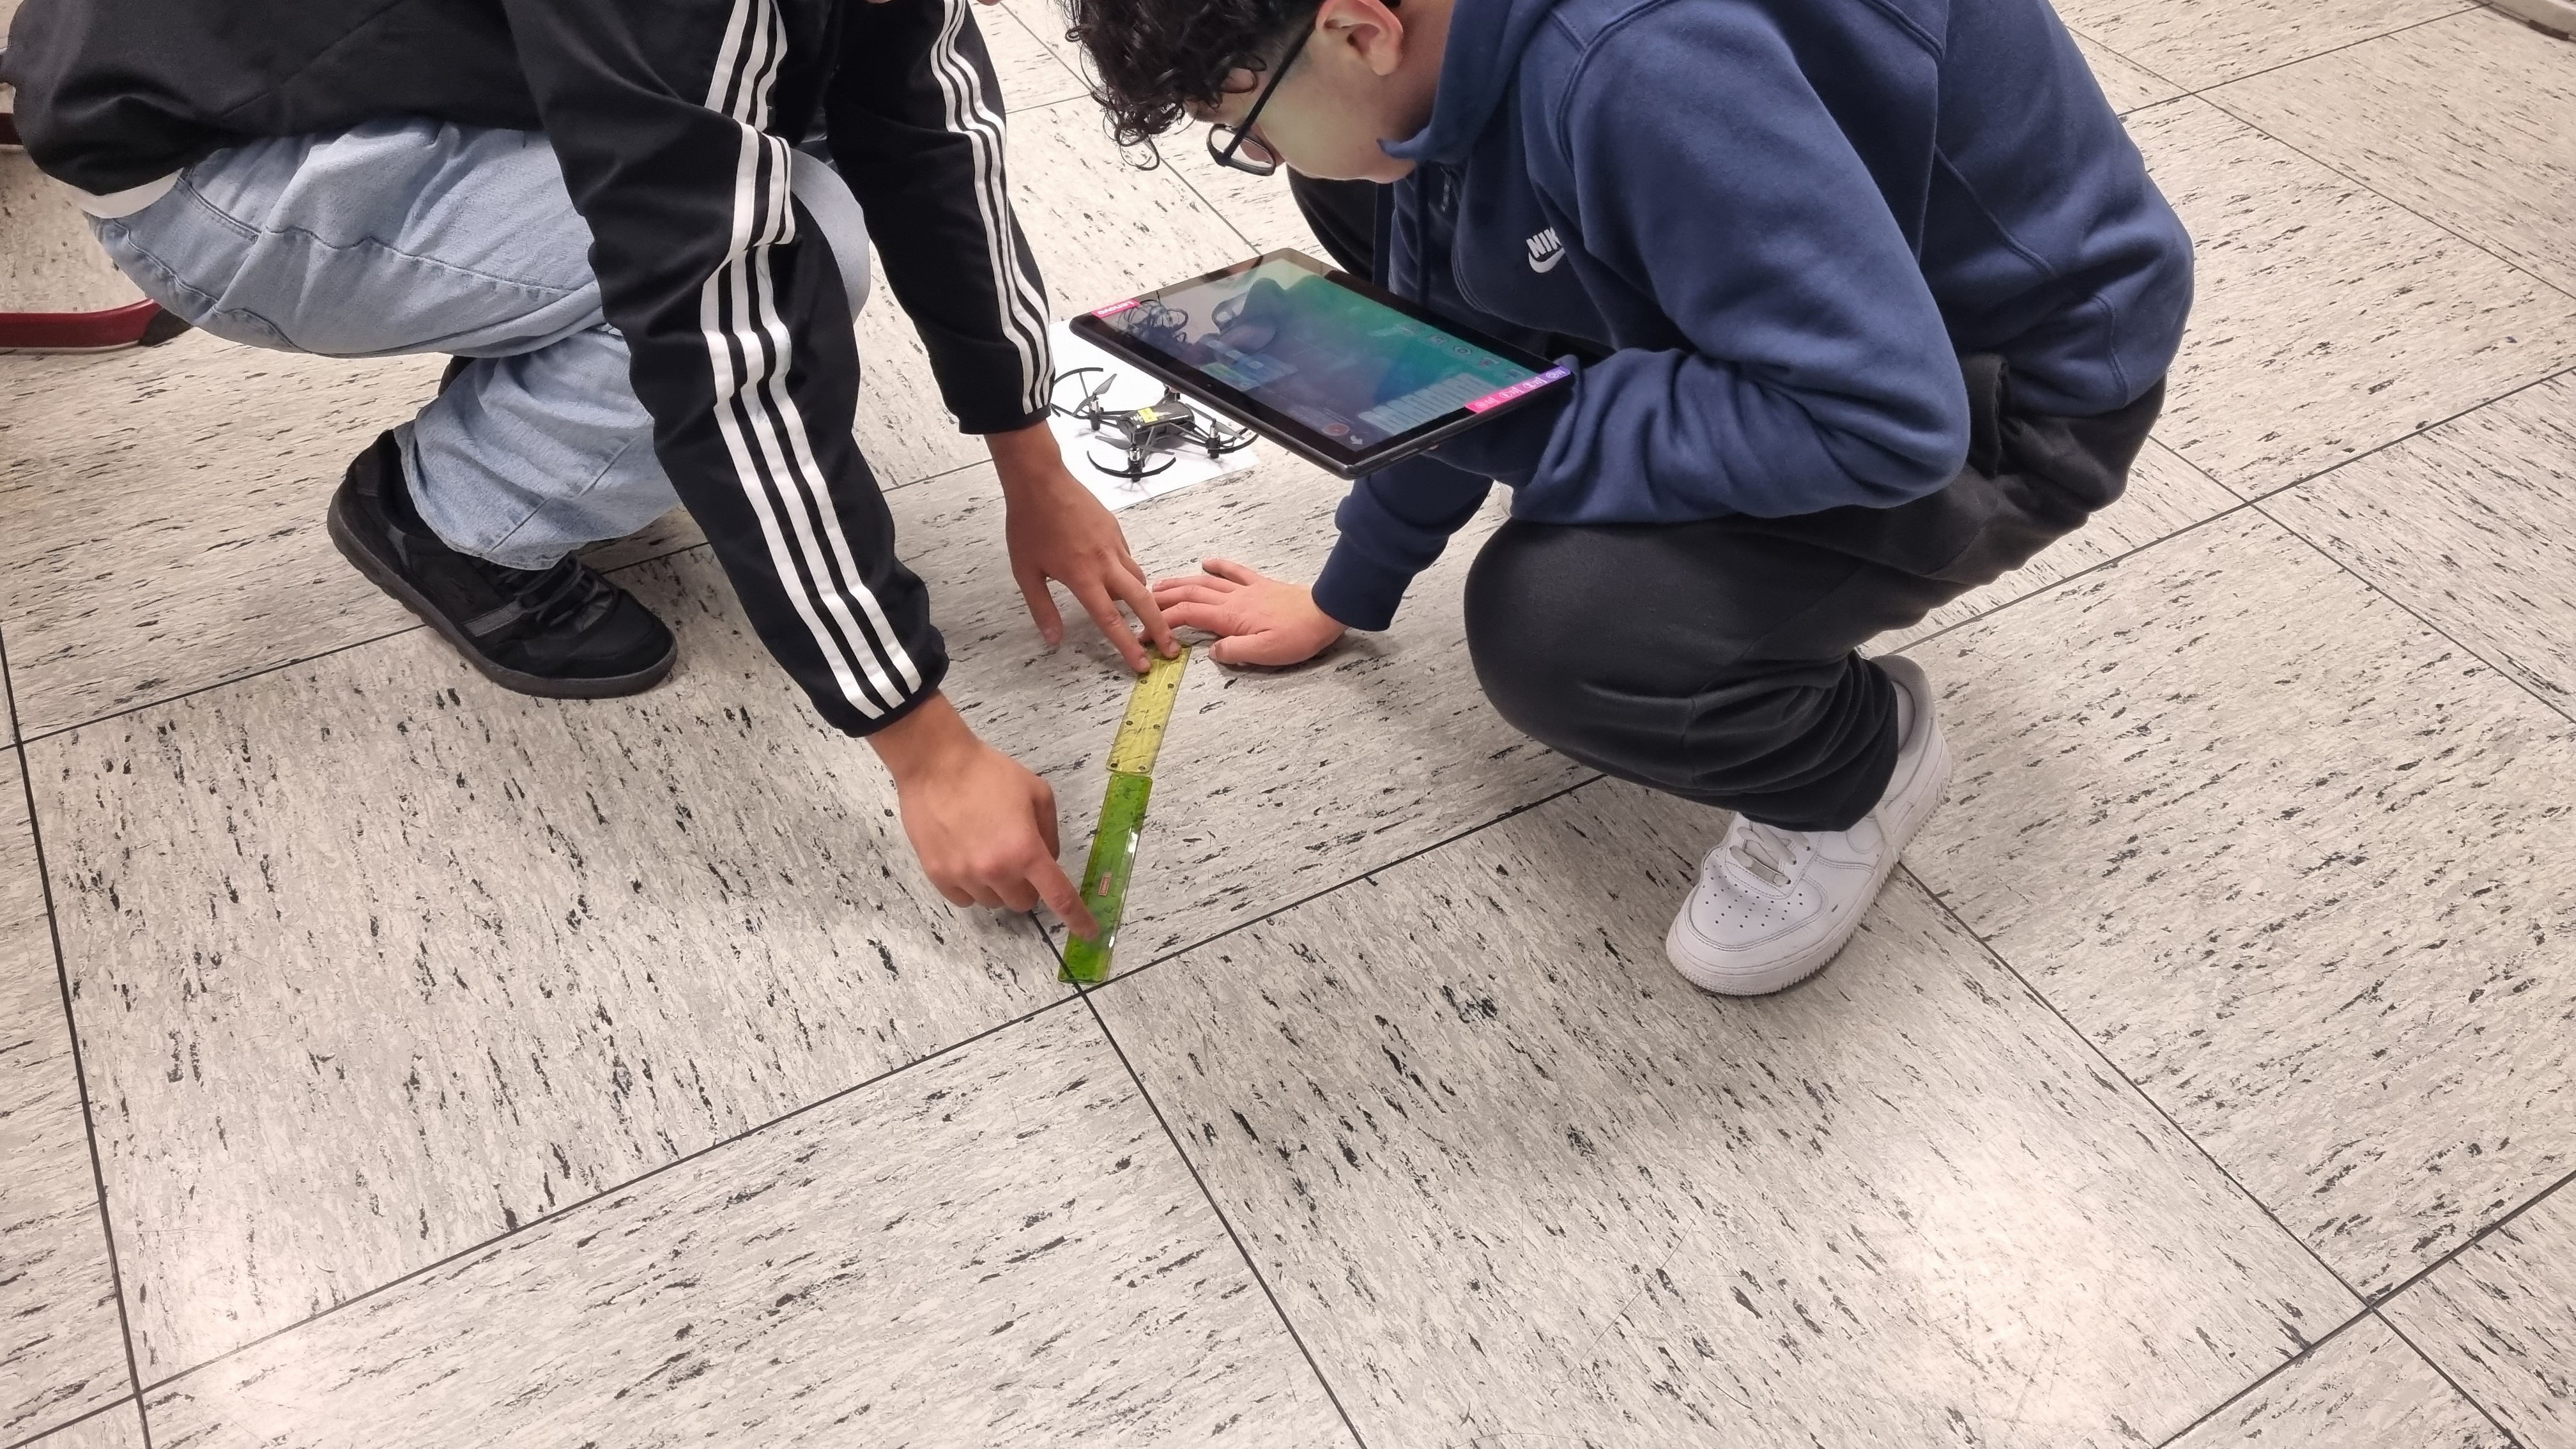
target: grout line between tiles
<point>2254,502</point>
<point>2188,92</point>
<point>993,8</point>
<point>2365,184</point>
<point>2468,9</point>
<point>2274,1372</point>
<point>1179,1147</point>
<point>2209,92</point>
<point>130,1401</point>
<point>413,628</point>
<point>2480,1236</point>
<point>628,1185</point>
<point>2362,1308</point>
<point>2511,1441</point>
<point>1369,874</point>
<point>2437,631</point>
<point>2370,1306</point>
<point>71,1029</point>
<point>826,1100</point>
<point>1214,210</point>
<point>1208,1195</point>
<point>2087,571</point>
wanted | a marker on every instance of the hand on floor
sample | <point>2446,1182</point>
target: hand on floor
<point>1057,530</point>
<point>1258,619</point>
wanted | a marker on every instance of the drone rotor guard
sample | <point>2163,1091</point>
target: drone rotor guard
<point>1134,469</point>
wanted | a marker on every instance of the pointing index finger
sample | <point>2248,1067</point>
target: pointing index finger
<point>1057,890</point>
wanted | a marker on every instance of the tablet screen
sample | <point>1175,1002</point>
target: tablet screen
<point>1351,368</point>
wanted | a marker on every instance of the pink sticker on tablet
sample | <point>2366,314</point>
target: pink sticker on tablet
<point>1493,400</point>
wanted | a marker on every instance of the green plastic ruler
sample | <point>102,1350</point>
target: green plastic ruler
<point>1122,817</point>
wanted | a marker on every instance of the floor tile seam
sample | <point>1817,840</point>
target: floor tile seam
<point>2511,1439</point>
<point>2244,503</point>
<point>79,1064</point>
<point>1315,895</point>
<point>2445,228</point>
<point>2361,1307</point>
<point>2209,94</point>
<point>801,1110</point>
<point>2294,1361</point>
<point>132,1401</point>
<point>1210,202</point>
<point>2470,1243</point>
<point>2187,92</point>
<point>626,1185</point>
<point>2567,372</point>
<point>415,627</point>
<point>8,697</point>
<point>1031,32</point>
<point>2565,712</point>
<point>2369,1306</point>
<point>1033,107</point>
<point>1208,1195</point>
<point>2241,505</point>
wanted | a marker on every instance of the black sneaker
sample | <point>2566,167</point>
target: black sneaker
<point>562,632</point>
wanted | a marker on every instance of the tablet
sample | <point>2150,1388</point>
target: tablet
<point>1345,375</point>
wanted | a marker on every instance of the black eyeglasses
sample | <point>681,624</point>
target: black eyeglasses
<point>1227,143</point>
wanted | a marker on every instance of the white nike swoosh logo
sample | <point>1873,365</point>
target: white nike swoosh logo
<point>1549,265</point>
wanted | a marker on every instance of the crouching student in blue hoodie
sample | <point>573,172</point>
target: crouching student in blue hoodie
<point>1872,300</point>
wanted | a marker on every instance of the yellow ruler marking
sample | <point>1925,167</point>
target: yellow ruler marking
<point>1149,710</point>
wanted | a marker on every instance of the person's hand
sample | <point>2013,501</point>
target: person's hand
<point>1258,619</point>
<point>983,826</point>
<point>1057,530</point>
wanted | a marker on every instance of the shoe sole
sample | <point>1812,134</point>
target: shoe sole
<point>1937,761</point>
<point>377,572</point>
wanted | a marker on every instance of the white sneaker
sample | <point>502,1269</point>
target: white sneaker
<point>1773,906</point>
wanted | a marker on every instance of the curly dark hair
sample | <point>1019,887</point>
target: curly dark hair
<point>1157,58</point>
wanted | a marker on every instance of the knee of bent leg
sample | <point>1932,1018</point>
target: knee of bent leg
<point>1537,618</point>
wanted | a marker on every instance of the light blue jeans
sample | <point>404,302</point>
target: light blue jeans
<point>404,236</point>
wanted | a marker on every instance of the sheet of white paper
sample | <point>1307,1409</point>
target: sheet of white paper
<point>1083,452</point>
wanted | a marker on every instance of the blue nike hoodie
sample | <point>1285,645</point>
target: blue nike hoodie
<point>1783,222</point>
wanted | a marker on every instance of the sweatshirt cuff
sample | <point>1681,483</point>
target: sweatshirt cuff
<point>1358,592</point>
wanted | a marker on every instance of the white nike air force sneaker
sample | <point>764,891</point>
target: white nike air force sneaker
<point>1773,906</point>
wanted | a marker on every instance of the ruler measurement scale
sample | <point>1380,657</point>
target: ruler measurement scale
<point>1105,876</point>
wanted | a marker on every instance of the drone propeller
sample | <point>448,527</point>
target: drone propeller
<point>1134,470</point>
<point>1085,410</point>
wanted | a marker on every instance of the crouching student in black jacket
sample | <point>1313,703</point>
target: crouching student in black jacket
<point>600,210</point>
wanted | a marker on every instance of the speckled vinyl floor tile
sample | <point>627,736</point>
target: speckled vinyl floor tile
<point>117,1427</point>
<point>2472,525</point>
<point>997,1247</point>
<point>2500,1319</point>
<point>2327,320</point>
<point>2205,42</point>
<point>50,263</point>
<point>2480,143</point>
<point>62,1353</point>
<point>1519,1184</point>
<point>2304,868</point>
<point>375,961</point>
<point>2365,1390</point>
